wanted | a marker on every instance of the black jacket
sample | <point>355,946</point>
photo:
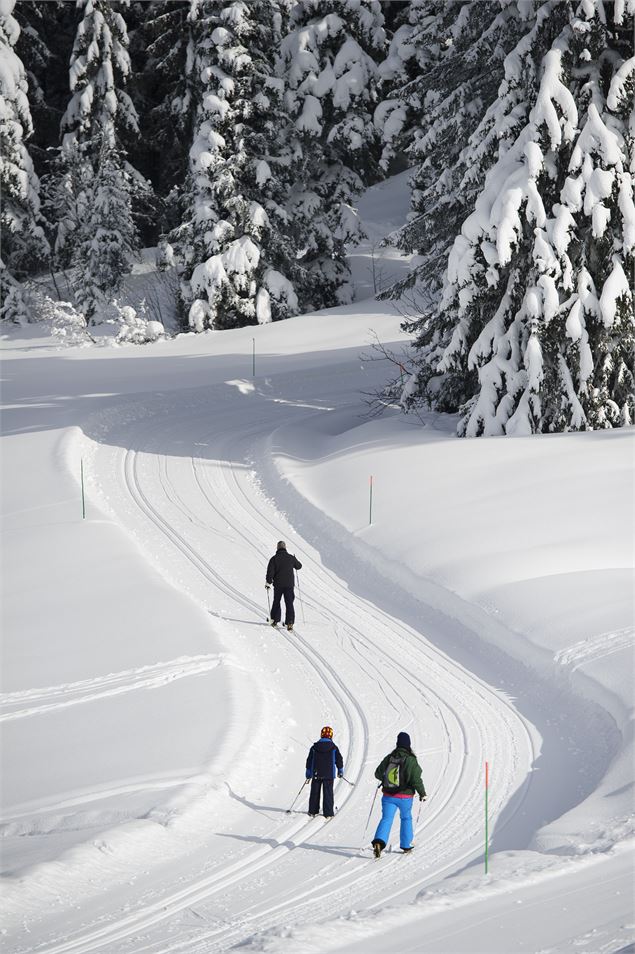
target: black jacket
<point>324,760</point>
<point>280,569</point>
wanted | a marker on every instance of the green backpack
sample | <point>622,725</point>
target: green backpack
<point>393,775</point>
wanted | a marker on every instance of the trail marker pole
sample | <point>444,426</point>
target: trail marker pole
<point>253,357</point>
<point>370,502</point>
<point>486,818</point>
<point>81,471</point>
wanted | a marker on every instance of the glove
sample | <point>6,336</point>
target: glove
<point>340,775</point>
<point>422,798</point>
<point>267,586</point>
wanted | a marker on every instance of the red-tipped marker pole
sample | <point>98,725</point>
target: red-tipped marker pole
<point>486,818</point>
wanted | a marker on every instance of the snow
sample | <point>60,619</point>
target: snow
<point>615,287</point>
<point>309,120</point>
<point>552,90</point>
<point>596,136</point>
<point>154,731</point>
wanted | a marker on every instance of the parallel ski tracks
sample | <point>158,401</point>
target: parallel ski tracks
<point>452,807</point>
<point>357,639</point>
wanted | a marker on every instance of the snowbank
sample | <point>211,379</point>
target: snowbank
<point>527,542</point>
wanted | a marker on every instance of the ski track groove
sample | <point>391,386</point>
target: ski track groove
<point>403,682</point>
<point>159,911</point>
<point>596,647</point>
<point>271,528</point>
<point>179,900</point>
<point>101,687</point>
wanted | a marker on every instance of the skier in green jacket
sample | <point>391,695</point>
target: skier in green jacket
<point>400,774</point>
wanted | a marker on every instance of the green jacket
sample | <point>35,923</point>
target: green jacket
<point>410,773</point>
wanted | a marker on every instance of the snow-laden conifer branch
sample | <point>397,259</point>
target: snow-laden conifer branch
<point>537,308</point>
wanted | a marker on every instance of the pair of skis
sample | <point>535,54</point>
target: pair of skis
<point>288,626</point>
<point>388,850</point>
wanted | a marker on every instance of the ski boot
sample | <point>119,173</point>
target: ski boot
<point>290,627</point>
<point>273,623</point>
<point>378,847</point>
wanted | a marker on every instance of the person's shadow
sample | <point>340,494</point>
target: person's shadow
<point>344,851</point>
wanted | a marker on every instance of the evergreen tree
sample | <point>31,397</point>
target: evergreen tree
<point>166,95</point>
<point>541,331</point>
<point>47,32</point>
<point>24,246</point>
<point>35,54</point>
<point>96,231</point>
<point>236,244</point>
<point>439,81</point>
<point>329,66</point>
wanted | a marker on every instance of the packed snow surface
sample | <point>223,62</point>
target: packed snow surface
<point>155,730</point>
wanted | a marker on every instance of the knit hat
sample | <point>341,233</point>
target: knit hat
<point>327,732</point>
<point>281,545</point>
<point>403,740</point>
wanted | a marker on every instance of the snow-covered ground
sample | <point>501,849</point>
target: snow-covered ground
<point>155,730</point>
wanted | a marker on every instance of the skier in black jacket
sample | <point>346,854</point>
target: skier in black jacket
<point>324,760</point>
<point>280,573</point>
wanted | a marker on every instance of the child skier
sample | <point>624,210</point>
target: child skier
<point>400,774</point>
<point>323,762</point>
<point>280,572</point>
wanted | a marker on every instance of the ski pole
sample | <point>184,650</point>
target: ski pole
<point>268,604</point>
<point>346,780</point>
<point>300,596</point>
<point>305,782</point>
<point>372,805</point>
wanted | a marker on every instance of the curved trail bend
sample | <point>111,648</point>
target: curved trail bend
<point>181,480</point>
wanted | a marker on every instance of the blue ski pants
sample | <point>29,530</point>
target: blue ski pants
<point>389,808</point>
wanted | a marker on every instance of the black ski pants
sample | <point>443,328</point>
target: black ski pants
<point>289,596</point>
<point>318,785</point>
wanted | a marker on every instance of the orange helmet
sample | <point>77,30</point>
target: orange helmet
<point>327,732</point>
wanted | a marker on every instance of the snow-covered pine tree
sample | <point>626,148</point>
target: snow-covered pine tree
<point>167,94</point>
<point>24,246</point>
<point>236,245</point>
<point>538,284</point>
<point>47,31</point>
<point>106,239</point>
<point>34,54</point>
<point>98,121</point>
<point>329,66</point>
<point>409,55</point>
<point>441,75</point>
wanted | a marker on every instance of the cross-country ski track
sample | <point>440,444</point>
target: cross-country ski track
<point>191,475</point>
<point>206,522</point>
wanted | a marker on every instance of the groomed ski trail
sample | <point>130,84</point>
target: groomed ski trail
<point>372,672</point>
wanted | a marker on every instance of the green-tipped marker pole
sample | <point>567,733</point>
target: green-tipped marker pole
<point>486,818</point>
<point>370,503</point>
<point>81,468</point>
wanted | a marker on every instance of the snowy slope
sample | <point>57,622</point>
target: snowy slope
<point>155,730</point>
